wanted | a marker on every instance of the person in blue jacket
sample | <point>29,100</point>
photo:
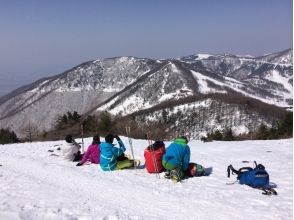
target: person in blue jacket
<point>176,159</point>
<point>109,154</point>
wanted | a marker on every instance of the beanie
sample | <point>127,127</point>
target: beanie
<point>109,138</point>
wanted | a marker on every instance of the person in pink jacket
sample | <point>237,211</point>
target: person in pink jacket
<point>93,152</point>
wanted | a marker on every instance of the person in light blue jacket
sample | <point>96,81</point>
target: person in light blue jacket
<point>109,154</point>
<point>176,159</point>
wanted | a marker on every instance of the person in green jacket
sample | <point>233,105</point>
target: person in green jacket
<point>176,158</point>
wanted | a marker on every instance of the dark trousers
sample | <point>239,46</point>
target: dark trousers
<point>78,156</point>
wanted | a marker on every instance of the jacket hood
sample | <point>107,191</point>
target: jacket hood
<point>182,141</point>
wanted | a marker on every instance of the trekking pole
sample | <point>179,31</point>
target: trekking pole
<point>82,133</point>
<point>153,156</point>
<point>128,132</point>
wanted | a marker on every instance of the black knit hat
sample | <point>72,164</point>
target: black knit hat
<point>158,144</point>
<point>68,138</point>
<point>109,138</point>
<point>96,139</point>
<point>184,137</point>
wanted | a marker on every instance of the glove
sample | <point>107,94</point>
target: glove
<point>79,164</point>
<point>117,138</point>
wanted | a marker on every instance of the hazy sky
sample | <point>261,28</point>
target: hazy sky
<point>42,38</point>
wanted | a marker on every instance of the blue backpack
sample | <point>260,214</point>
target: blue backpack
<point>256,177</point>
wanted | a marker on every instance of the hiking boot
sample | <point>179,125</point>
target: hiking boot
<point>136,163</point>
<point>167,174</point>
<point>174,175</point>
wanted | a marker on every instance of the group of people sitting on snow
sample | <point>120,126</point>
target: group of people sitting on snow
<point>174,160</point>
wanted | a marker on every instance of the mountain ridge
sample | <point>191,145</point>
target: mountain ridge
<point>124,85</point>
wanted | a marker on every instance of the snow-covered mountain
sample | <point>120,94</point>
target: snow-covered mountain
<point>126,85</point>
<point>268,78</point>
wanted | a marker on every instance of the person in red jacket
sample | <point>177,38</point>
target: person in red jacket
<point>153,157</point>
<point>93,152</point>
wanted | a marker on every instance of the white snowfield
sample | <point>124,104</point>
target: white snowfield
<point>35,185</point>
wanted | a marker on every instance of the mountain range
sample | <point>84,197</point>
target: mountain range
<point>202,92</point>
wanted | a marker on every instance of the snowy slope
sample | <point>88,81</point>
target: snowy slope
<point>35,185</point>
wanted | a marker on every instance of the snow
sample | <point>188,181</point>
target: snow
<point>202,82</point>
<point>230,82</point>
<point>174,68</point>
<point>38,87</point>
<point>104,107</point>
<point>35,185</point>
<point>239,87</point>
<point>203,56</point>
<point>242,129</point>
<point>275,76</point>
<point>130,105</point>
<point>168,96</point>
<point>173,95</point>
<point>124,59</point>
<point>109,89</point>
<point>182,107</point>
<point>75,89</point>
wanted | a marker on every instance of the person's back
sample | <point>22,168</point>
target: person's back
<point>109,153</point>
<point>93,152</point>
<point>153,157</point>
<point>177,156</point>
<point>69,150</point>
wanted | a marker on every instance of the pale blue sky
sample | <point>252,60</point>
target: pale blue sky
<point>42,38</point>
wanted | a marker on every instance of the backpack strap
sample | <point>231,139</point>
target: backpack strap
<point>255,163</point>
<point>269,191</point>
<point>234,171</point>
<point>259,166</point>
